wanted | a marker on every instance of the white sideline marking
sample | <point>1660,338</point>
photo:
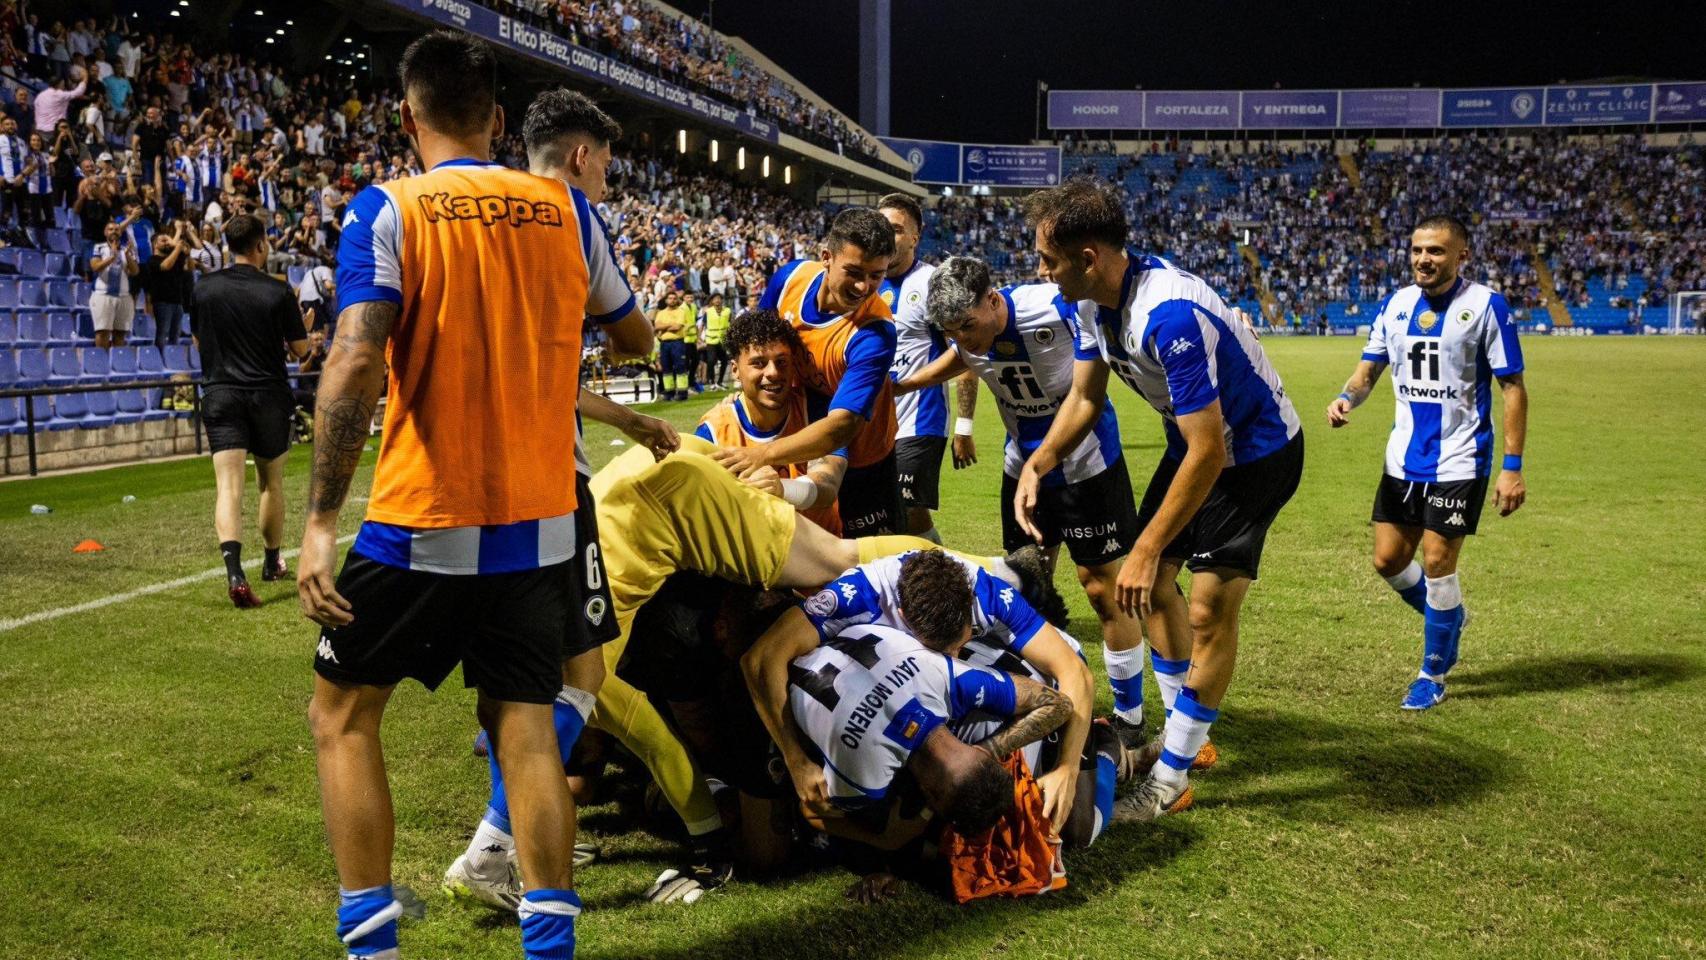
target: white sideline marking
<point>153,588</point>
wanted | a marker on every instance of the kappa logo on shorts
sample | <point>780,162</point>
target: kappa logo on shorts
<point>324,650</point>
<point>1456,520</point>
<point>595,610</point>
<point>822,603</point>
<point>1112,546</point>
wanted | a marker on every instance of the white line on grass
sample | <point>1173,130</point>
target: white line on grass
<point>39,616</point>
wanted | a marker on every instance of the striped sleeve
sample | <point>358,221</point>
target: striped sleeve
<point>370,250</point>
<point>1504,350</point>
<point>608,296</point>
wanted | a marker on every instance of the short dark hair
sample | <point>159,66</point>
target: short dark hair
<point>759,328</point>
<point>935,598</point>
<point>1036,584</point>
<point>243,233</point>
<point>863,228</point>
<point>905,204</point>
<point>451,81</point>
<point>1080,211</point>
<point>1445,221</point>
<point>560,113</point>
<point>982,798</point>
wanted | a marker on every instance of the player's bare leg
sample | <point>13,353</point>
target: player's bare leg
<point>1122,650</point>
<point>355,798</point>
<point>269,482</point>
<point>525,743</point>
<point>228,476</point>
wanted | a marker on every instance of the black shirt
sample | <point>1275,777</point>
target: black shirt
<point>242,319</point>
<point>151,138</point>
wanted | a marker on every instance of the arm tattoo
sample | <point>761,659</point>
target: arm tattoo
<point>349,391</point>
<point>1046,709</point>
<point>965,395</point>
<point>340,436</point>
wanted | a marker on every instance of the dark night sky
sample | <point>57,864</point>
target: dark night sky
<point>967,70</point>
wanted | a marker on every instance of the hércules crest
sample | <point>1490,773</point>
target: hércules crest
<point>1427,320</point>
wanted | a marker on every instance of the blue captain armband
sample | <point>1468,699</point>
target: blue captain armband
<point>1513,462</point>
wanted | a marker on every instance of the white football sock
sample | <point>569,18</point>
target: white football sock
<point>488,853</point>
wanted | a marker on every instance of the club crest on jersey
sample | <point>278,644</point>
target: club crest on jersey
<point>888,298</point>
<point>914,297</point>
<point>595,610</point>
<point>1465,316</point>
<point>1006,348</point>
<point>822,603</point>
<point>1045,336</point>
<point>1427,320</point>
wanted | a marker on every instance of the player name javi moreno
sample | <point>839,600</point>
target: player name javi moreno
<point>490,209</point>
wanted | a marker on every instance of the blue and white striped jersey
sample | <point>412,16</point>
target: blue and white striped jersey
<point>921,413</point>
<point>1176,343</point>
<point>1029,369</point>
<point>870,593</point>
<point>866,699</point>
<point>1444,354</point>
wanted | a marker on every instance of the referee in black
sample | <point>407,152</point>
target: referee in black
<point>243,322</point>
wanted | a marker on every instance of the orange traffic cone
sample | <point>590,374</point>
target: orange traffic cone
<point>88,546</point>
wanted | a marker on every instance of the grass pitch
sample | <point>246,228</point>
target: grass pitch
<point>157,780</point>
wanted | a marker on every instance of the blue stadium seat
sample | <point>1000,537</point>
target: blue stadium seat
<point>8,291</point>
<point>61,329</point>
<point>80,290</point>
<point>148,364</point>
<point>142,327</point>
<point>296,273</point>
<point>103,409</point>
<point>121,364</point>
<point>9,255</point>
<point>32,263</point>
<point>70,410</point>
<point>195,357</point>
<point>133,407</point>
<point>43,407</point>
<point>97,365</point>
<point>8,329</point>
<point>32,368</point>
<point>177,358</point>
<point>64,218</point>
<point>32,293</point>
<point>8,369</point>
<point>60,241</point>
<point>11,421</point>
<point>59,294</point>
<point>32,329</point>
<point>58,265</point>
<point>64,367</point>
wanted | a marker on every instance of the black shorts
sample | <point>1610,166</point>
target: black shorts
<point>870,500</point>
<point>508,630</point>
<point>1231,526</point>
<point>1450,508</point>
<point>598,610</point>
<point>243,418</point>
<point>918,464</point>
<point>1095,518</point>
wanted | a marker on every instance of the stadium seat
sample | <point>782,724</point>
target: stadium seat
<point>296,273</point>
<point>176,358</point>
<point>60,241</point>
<point>59,294</point>
<point>8,329</point>
<point>8,291</point>
<point>80,290</point>
<point>142,327</point>
<point>43,407</point>
<point>8,368</point>
<point>61,329</point>
<point>32,292</point>
<point>103,409</point>
<point>97,366</point>
<point>9,256</point>
<point>64,218</point>
<point>58,265</point>
<point>121,364</point>
<point>70,410</point>
<point>32,329</point>
<point>32,368</point>
<point>133,408</point>
<point>32,263</point>
<point>64,368</point>
<point>11,420</point>
<point>195,358</point>
<point>148,363</point>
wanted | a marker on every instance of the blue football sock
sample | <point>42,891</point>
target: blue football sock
<point>1410,586</point>
<point>1441,622</point>
<point>1186,732</point>
<point>367,920</point>
<point>569,715</point>
<point>1107,777</point>
<point>548,924</point>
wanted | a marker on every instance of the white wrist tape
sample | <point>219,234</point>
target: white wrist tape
<point>962,426</point>
<point>800,493</point>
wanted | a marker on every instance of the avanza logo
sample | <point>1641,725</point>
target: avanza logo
<point>490,210</point>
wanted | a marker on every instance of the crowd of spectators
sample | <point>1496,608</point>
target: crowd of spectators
<point>687,52</point>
